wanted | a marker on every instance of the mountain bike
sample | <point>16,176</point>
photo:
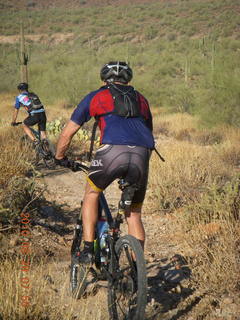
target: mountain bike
<point>119,260</point>
<point>43,150</point>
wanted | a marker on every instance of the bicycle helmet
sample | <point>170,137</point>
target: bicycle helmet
<point>116,71</point>
<point>22,86</point>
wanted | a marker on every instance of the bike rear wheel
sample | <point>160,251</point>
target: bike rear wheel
<point>127,292</point>
<point>46,154</point>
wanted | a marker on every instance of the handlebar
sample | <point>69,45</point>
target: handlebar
<point>78,166</point>
<point>14,124</point>
<point>72,165</point>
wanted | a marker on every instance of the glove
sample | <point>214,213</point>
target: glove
<point>13,124</point>
<point>65,162</point>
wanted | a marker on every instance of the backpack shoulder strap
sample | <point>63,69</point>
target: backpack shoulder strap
<point>94,129</point>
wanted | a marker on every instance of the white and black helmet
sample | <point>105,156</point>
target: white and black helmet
<point>116,71</point>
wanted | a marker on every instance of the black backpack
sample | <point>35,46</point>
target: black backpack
<point>36,104</point>
<point>125,101</point>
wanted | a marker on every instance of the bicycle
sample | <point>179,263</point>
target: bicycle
<point>44,150</point>
<point>117,259</point>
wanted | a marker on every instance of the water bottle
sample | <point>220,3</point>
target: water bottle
<point>102,233</point>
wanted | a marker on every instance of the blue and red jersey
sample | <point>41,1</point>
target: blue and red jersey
<point>116,130</point>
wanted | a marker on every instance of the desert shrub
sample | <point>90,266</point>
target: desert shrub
<point>55,127</point>
<point>19,192</point>
<point>215,205</point>
<point>208,137</point>
<point>184,134</point>
<point>151,32</point>
<point>16,191</point>
<point>210,229</point>
<point>183,100</point>
<point>229,153</point>
<point>13,156</point>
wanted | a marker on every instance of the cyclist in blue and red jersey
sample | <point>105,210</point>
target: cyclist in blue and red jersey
<point>125,123</point>
<point>36,112</point>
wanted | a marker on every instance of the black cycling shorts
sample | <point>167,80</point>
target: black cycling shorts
<point>121,161</point>
<point>36,118</point>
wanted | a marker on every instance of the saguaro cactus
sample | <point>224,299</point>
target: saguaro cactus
<point>23,56</point>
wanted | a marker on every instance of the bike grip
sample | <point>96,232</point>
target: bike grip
<point>14,124</point>
<point>75,166</point>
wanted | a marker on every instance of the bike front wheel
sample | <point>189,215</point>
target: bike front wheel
<point>127,291</point>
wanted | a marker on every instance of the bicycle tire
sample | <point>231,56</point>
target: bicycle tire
<point>78,273</point>
<point>46,155</point>
<point>44,152</point>
<point>127,293</point>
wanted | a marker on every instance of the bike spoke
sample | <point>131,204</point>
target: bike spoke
<point>127,295</point>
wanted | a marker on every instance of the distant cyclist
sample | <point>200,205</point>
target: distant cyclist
<point>36,112</point>
<point>125,122</point>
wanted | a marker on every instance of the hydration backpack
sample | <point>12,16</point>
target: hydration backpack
<point>35,102</point>
<point>125,101</point>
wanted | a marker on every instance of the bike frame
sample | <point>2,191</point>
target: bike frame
<point>104,206</point>
<point>111,238</point>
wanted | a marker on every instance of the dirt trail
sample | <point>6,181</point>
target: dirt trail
<point>64,193</point>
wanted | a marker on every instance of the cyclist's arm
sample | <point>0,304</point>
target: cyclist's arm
<point>15,114</point>
<point>65,139</point>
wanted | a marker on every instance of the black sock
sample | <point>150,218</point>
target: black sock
<point>88,246</point>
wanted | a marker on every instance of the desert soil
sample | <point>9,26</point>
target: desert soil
<point>170,296</point>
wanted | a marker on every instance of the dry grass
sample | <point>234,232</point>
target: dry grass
<point>13,156</point>
<point>48,292</point>
<point>174,124</point>
<point>199,185</point>
<point>189,169</point>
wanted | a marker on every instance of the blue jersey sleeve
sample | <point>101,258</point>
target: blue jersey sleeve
<point>82,114</point>
<point>17,103</point>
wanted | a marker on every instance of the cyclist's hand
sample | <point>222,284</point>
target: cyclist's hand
<point>65,162</point>
<point>13,124</point>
